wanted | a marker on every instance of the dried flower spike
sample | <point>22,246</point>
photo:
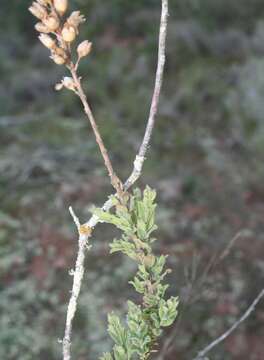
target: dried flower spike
<point>47,41</point>
<point>61,6</point>
<point>84,48</point>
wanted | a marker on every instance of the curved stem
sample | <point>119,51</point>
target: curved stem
<point>116,183</point>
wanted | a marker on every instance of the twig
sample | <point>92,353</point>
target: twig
<point>197,288</point>
<point>202,353</point>
<point>84,234</point>
<point>138,163</point>
<point>116,183</point>
<point>140,158</point>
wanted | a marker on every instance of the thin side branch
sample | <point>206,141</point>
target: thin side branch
<point>84,234</point>
<point>139,160</point>
<point>116,183</point>
<point>202,353</point>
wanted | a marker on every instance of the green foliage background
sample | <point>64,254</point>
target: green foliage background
<point>206,161</point>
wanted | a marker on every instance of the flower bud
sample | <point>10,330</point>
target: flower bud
<point>38,10</point>
<point>47,41</point>
<point>68,33</point>
<point>61,6</point>
<point>40,27</point>
<point>84,48</point>
<point>52,22</point>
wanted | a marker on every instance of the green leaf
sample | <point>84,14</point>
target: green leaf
<point>159,265</point>
<point>135,217</point>
<point>106,356</point>
<point>141,229</point>
<point>138,285</point>
<point>121,223</point>
<point>120,353</point>
<point>116,330</point>
<point>168,311</point>
<point>123,246</point>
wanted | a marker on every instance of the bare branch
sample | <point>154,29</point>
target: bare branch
<point>202,353</point>
<point>139,160</point>
<point>84,234</point>
<point>75,218</point>
<point>116,183</point>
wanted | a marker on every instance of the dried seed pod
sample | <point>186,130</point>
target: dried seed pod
<point>68,33</point>
<point>44,2</point>
<point>40,27</point>
<point>84,48</point>
<point>58,86</point>
<point>38,10</point>
<point>52,22</point>
<point>61,6</point>
<point>68,82</point>
<point>59,60</point>
<point>75,19</point>
<point>47,41</point>
<point>61,52</point>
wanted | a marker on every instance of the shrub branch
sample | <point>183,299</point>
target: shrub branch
<point>51,15</point>
<point>251,308</point>
<point>116,183</point>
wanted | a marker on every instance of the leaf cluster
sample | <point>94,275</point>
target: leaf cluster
<point>135,216</point>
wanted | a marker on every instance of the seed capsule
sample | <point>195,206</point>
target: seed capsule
<point>47,41</point>
<point>59,86</point>
<point>38,11</point>
<point>44,2</point>
<point>68,83</point>
<point>68,33</point>
<point>40,27</point>
<point>59,60</point>
<point>61,52</point>
<point>84,48</point>
<point>52,22</point>
<point>61,6</point>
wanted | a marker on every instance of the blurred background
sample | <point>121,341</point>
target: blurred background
<point>205,160</point>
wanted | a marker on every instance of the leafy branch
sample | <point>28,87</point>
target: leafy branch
<point>135,217</point>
